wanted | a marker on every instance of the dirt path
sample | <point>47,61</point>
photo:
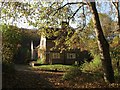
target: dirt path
<point>23,68</point>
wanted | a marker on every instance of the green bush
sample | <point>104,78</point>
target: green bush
<point>93,66</point>
<point>73,72</point>
<point>116,71</point>
<point>10,39</point>
<point>115,48</point>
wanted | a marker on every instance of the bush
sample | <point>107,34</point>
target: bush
<point>10,39</point>
<point>93,66</point>
<point>117,75</point>
<point>116,71</point>
<point>85,56</point>
<point>115,48</point>
<point>73,72</point>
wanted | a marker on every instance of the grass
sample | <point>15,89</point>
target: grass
<point>59,67</point>
<point>72,73</point>
<point>94,67</point>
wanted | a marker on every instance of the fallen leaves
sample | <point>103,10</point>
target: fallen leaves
<point>44,79</point>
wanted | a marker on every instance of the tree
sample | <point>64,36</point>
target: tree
<point>117,6</point>
<point>10,40</point>
<point>115,49</point>
<point>103,45</point>
<point>106,24</point>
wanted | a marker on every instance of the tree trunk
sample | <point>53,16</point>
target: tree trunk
<point>103,46</point>
<point>118,65</point>
<point>119,15</point>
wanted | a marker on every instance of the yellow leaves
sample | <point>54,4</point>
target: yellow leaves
<point>57,83</point>
<point>115,42</point>
<point>56,33</point>
<point>114,85</point>
<point>3,11</point>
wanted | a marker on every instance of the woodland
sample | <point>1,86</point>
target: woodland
<point>97,30</point>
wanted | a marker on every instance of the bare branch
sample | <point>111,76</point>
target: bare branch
<point>75,12</point>
<point>68,4</point>
<point>52,4</point>
<point>116,5</point>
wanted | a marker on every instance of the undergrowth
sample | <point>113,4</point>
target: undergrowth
<point>93,66</point>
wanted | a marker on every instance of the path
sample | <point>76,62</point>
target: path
<point>26,77</point>
<point>23,67</point>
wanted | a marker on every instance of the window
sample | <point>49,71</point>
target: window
<point>56,55</point>
<point>71,55</point>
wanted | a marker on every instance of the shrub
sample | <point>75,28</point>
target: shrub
<point>117,75</point>
<point>116,70</point>
<point>73,72</point>
<point>115,48</point>
<point>10,39</point>
<point>85,56</point>
<point>93,66</point>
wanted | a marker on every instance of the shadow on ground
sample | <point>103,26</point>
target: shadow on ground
<point>25,77</point>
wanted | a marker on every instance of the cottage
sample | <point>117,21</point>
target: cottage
<point>55,56</point>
